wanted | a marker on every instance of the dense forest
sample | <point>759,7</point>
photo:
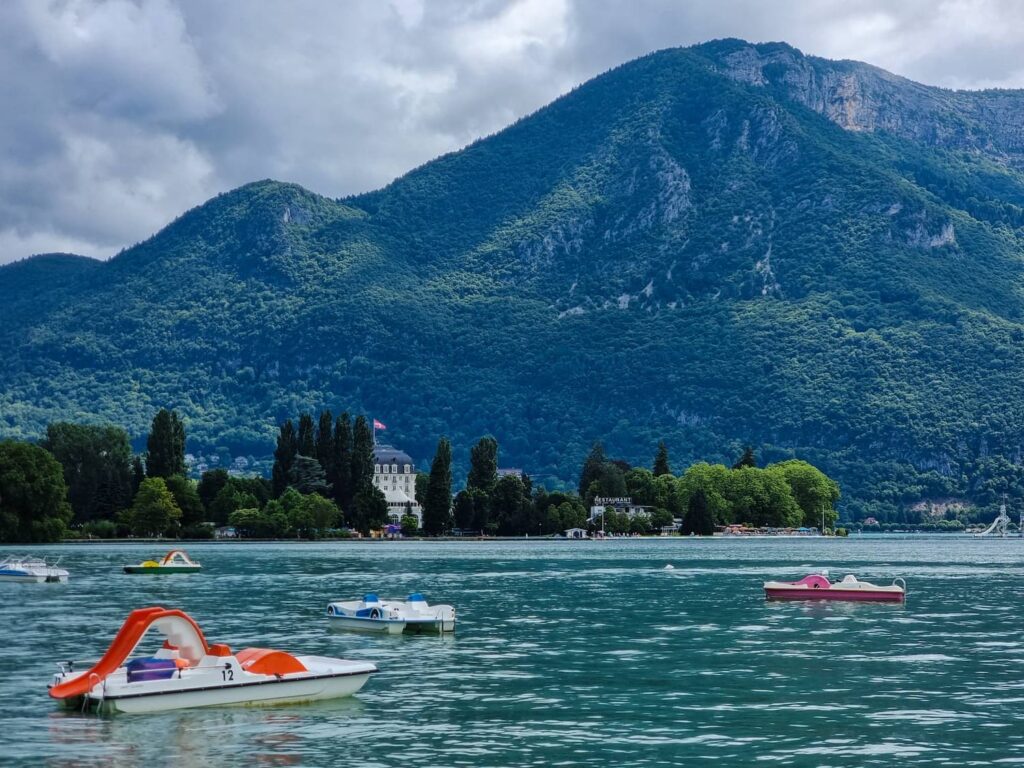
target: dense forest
<point>715,246</point>
<point>84,481</point>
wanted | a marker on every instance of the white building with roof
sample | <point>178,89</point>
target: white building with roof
<point>394,473</point>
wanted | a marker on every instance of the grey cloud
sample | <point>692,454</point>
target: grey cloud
<point>119,115</point>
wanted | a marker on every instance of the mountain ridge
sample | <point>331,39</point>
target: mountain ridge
<point>668,251</point>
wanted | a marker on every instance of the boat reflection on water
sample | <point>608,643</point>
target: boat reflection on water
<point>201,738</point>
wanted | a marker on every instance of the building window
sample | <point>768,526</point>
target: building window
<point>376,468</point>
<point>407,469</point>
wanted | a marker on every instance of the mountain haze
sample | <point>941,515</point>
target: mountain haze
<point>718,245</point>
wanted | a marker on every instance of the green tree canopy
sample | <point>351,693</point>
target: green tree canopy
<point>369,509</point>
<point>33,494</point>
<point>814,491</point>
<point>229,499</point>
<point>154,512</point>
<point>97,467</point>
<point>187,498</point>
<point>762,498</point>
<point>210,484</point>
<point>323,512</point>
<point>713,480</point>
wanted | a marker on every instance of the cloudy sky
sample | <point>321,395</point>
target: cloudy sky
<point>117,116</point>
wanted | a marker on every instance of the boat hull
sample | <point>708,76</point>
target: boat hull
<point>159,570</point>
<point>855,595</point>
<point>362,624</point>
<point>275,692</point>
<point>34,578</point>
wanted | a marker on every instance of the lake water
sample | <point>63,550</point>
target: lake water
<point>566,654</point>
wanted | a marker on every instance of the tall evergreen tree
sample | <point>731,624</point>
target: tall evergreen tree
<point>362,456</point>
<point>437,506</point>
<point>340,475</point>
<point>306,436</point>
<point>483,465</point>
<point>746,460</point>
<point>284,456</point>
<point>165,447</point>
<point>592,467</point>
<point>138,474</point>
<point>661,466</point>
<point>325,441</point>
<point>698,517</point>
<point>464,511</point>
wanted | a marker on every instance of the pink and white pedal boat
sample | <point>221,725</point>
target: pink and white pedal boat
<point>817,587</point>
<point>187,672</point>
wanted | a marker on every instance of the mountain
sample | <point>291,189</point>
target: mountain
<point>717,245</point>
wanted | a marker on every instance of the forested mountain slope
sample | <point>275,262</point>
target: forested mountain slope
<point>716,245</point>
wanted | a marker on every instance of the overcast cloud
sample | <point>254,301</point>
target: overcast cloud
<point>117,116</point>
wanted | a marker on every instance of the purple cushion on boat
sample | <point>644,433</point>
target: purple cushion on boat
<point>141,670</point>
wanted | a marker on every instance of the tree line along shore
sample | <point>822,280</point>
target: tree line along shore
<point>83,481</point>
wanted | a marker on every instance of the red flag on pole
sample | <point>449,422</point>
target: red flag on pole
<point>378,424</point>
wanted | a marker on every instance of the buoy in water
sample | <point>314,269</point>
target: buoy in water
<point>669,567</point>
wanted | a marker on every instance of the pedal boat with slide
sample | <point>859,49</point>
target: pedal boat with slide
<point>392,616</point>
<point>175,561</point>
<point>187,672</point>
<point>816,586</point>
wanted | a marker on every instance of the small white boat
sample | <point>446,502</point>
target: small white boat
<point>31,570</point>
<point>186,672</point>
<point>393,616</point>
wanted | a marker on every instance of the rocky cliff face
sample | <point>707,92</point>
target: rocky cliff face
<point>860,97</point>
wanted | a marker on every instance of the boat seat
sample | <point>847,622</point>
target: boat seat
<point>267,661</point>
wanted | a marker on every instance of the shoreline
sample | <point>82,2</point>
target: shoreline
<point>487,539</point>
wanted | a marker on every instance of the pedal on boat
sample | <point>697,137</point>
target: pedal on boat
<point>393,616</point>
<point>175,561</point>
<point>186,672</point>
<point>817,587</point>
<point>31,570</point>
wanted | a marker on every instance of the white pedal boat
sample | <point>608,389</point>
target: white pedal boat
<point>393,616</point>
<point>31,570</point>
<point>186,672</point>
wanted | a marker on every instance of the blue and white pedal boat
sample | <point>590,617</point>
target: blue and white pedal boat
<point>392,616</point>
<point>31,570</point>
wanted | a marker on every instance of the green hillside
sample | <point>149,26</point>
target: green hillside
<point>715,246</point>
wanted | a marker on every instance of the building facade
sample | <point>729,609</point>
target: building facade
<point>394,473</point>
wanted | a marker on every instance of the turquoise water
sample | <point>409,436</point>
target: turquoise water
<point>566,654</point>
